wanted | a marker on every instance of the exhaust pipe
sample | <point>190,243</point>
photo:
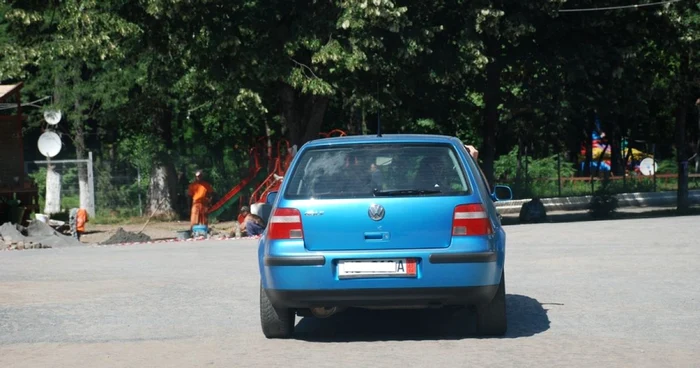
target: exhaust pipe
<point>324,312</point>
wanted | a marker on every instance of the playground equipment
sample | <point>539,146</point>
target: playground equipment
<point>234,194</point>
<point>280,163</point>
<point>340,133</point>
<point>601,153</point>
<point>262,181</point>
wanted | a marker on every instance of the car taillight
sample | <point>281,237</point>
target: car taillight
<point>470,220</point>
<point>285,223</point>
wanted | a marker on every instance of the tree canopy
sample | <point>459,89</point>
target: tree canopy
<point>167,86</point>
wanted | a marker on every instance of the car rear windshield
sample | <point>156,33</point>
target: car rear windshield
<point>373,170</point>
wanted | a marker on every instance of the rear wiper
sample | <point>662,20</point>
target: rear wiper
<point>401,192</point>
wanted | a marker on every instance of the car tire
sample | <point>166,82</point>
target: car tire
<point>491,318</point>
<point>277,323</point>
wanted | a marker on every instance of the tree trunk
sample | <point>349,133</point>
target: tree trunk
<point>162,192</point>
<point>519,168</point>
<point>271,154</point>
<point>315,110</point>
<point>302,115</point>
<point>681,144</point>
<point>616,167</point>
<point>682,199</point>
<point>492,98</point>
<point>697,145</point>
<point>52,204</point>
<point>353,124</point>
<point>363,123</point>
<point>79,141</point>
<point>590,124</point>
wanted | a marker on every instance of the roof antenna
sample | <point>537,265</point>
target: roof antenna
<point>379,124</point>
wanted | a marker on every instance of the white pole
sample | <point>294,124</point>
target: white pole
<point>91,183</point>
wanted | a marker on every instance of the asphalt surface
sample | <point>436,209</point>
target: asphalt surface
<point>606,294</point>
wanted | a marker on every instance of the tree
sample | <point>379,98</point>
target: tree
<point>684,68</point>
<point>305,52</point>
<point>70,57</point>
<point>504,30</point>
<point>192,83</point>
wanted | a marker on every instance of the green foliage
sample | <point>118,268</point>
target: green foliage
<point>5,36</point>
<point>69,180</point>
<point>69,202</point>
<point>604,203</point>
<point>139,150</point>
<point>547,168</point>
<point>506,166</point>
<point>193,84</point>
<point>669,166</point>
<point>423,126</point>
<point>39,178</point>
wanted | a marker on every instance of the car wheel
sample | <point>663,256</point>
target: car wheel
<point>491,318</point>
<point>277,323</point>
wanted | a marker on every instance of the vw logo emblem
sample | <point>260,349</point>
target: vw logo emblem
<point>376,212</point>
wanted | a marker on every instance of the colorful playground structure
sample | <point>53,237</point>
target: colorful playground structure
<point>262,180</point>
<point>601,154</point>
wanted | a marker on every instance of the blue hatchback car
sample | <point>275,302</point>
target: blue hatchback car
<point>391,221</point>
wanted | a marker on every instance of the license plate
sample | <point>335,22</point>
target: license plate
<point>377,268</point>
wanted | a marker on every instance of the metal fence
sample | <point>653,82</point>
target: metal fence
<point>123,191</point>
<point>117,192</point>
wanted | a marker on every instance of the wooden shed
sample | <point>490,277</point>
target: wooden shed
<point>14,183</point>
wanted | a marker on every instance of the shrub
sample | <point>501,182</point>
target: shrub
<point>604,202</point>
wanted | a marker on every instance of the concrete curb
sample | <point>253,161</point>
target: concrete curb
<point>652,199</point>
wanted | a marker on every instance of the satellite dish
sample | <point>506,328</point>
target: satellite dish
<point>49,144</point>
<point>52,116</point>
<point>648,166</point>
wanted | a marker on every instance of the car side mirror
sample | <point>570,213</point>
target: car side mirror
<point>502,193</point>
<point>270,199</point>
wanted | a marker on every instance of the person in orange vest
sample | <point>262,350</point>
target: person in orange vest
<point>81,218</point>
<point>201,193</point>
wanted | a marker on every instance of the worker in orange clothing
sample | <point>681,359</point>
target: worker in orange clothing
<point>201,193</point>
<point>81,217</point>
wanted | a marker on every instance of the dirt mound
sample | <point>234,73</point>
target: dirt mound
<point>123,236</point>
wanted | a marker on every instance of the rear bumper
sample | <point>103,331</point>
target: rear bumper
<point>436,258</point>
<point>443,277</point>
<point>421,297</point>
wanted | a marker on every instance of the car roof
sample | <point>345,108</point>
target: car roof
<point>394,138</point>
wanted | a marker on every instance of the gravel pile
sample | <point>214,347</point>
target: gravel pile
<point>123,236</point>
<point>36,235</point>
<point>40,232</point>
<point>9,234</point>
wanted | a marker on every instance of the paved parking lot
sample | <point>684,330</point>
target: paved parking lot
<point>615,293</point>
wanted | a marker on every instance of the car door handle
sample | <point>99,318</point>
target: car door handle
<point>377,235</point>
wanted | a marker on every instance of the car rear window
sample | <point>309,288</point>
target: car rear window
<point>386,169</point>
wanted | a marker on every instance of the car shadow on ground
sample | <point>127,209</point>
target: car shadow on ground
<point>526,317</point>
